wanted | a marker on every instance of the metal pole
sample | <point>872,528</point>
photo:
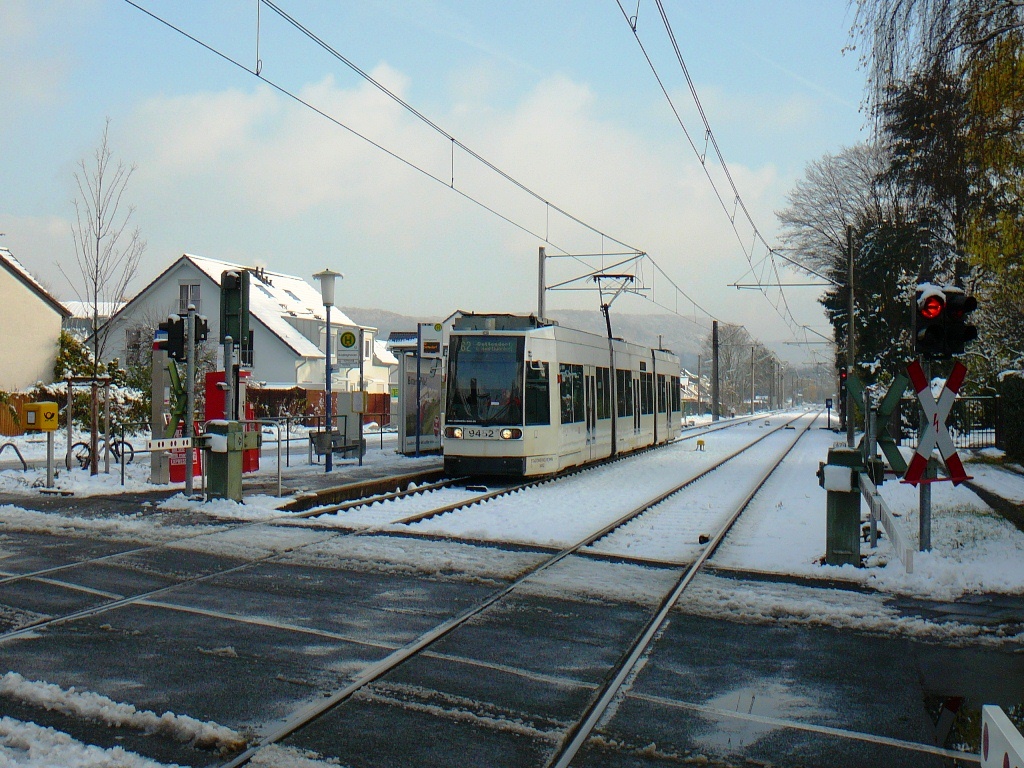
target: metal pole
<point>540,283</point>
<point>751,381</point>
<point>925,488</point>
<point>229,380</point>
<point>851,340</point>
<point>67,455</point>
<point>106,428</point>
<point>871,441</point>
<point>614,384</point>
<point>362,394</point>
<point>329,456</point>
<point>190,395</point>
<point>699,411</point>
<point>715,405</point>
<point>279,459</point>
<point>49,459</point>
<point>419,384</point>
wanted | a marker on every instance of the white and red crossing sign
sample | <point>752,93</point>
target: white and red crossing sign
<point>935,432</point>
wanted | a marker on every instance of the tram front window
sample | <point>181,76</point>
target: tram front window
<point>485,378</point>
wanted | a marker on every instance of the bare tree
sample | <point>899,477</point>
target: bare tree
<point>106,250</point>
<point>837,191</point>
<point>906,36</point>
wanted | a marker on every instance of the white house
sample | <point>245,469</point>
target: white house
<point>30,325</point>
<point>287,320</point>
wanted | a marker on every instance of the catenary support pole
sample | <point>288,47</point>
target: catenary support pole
<point>851,337</point>
<point>716,411</point>
<point>751,381</point>
<point>540,283</point>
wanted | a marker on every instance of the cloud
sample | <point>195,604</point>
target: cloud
<point>40,243</point>
<point>253,175</point>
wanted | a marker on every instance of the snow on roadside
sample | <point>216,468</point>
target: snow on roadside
<point>973,548</point>
<point>99,708</point>
<point>27,745</point>
<point>119,527</point>
<point>276,756</point>
<point>1005,483</point>
<point>773,602</point>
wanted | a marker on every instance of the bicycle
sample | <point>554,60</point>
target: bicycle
<point>82,451</point>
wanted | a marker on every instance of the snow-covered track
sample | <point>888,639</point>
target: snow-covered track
<point>604,694</point>
<point>614,681</point>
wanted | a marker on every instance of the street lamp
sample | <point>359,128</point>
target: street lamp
<point>326,279</point>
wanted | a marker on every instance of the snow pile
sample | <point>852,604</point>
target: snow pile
<point>276,756</point>
<point>32,746</point>
<point>93,706</point>
<point>788,604</point>
<point>119,527</point>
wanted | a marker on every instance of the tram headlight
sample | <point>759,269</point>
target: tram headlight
<point>511,434</point>
<point>454,432</point>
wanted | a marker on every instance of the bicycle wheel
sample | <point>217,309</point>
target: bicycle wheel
<point>119,447</point>
<point>82,453</point>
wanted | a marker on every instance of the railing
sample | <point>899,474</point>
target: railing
<point>902,543</point>
<point>24,466</point>
<point>974,422</point>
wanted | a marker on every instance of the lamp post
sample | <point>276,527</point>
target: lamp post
<point>326,279</point>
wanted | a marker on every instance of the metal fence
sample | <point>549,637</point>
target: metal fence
<point>974,422</point>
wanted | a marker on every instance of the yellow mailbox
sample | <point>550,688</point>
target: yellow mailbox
<point>39,416</point>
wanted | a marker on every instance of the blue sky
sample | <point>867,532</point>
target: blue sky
<point>558,95</point>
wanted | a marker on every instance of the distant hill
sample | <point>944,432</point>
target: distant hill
<point>682,336</point>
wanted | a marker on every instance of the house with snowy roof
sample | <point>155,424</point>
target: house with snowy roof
<point>28,349</point>
<point>287,321</point>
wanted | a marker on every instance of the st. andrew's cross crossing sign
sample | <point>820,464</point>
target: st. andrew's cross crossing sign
<point>935,431</point>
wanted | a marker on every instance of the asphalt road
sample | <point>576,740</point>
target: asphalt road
<point>250,647</point>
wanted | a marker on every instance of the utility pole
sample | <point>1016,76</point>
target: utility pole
<point>699,411</point>
<point>851,342</point>
<point>715,404</point>
<point>751,381</point>
<point>541,256</point>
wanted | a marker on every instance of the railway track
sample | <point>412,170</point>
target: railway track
<point>562,737</point>
<point>577,733</point>
<point>405,487</point>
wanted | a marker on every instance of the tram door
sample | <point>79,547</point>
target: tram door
<point>590,406</point>
<point>636,406</point>
<point>664,406</point>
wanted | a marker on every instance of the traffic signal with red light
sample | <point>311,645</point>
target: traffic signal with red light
<point>929,322</point>
<point>957,331</point>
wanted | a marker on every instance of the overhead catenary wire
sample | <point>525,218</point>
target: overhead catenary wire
<point>450,182</point>
<point>738,205</point>
<point>549,206</point>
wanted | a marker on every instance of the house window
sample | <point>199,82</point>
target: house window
<point>135,346</point>
<point>188,293</point>
<point>367,347</point>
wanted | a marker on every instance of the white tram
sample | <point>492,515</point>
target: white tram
<point>525,397</point>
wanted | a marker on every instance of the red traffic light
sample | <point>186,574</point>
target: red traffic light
<point>931,307</point>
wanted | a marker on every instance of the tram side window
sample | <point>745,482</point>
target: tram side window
<point>604,393</point>
<point>538,400</point>
<point>646,393</point>
<point>571,392</point>
<point>661,393</point>
<point>676,398</point>
<point>624,392</point>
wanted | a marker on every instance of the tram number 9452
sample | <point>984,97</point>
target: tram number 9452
<point>478,433</point>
